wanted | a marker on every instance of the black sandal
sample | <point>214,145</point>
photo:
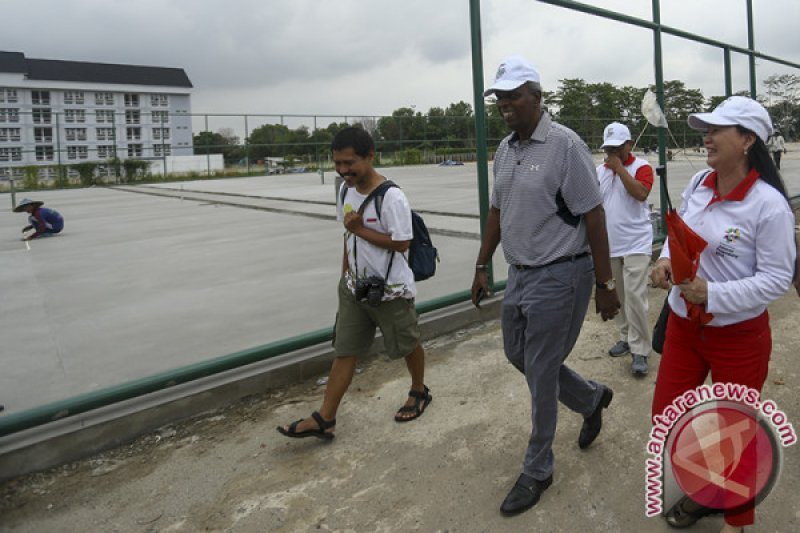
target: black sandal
<point>319,433</point>
<point>679,517</point>
<point>423,398</point>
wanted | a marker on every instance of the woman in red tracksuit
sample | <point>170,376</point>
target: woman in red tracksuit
<point>741,210</point>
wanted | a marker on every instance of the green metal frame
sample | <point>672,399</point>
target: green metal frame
<point>13,423</point>
<point>660,29</point>
<point>51,412</point>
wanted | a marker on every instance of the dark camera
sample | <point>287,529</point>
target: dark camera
<point>371,290</point>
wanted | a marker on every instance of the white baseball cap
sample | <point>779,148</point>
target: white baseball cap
<point>513,72</point>
<point>736,111</point>
<point>616,134</point>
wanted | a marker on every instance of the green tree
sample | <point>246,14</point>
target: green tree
<point>404,129</point>
<point>134,169</point>
<point>679,103</point>
<point>783,97</point>
<point>31,180</point>
<point>222,142</point>
<point>459,125</point>
<point>587,107</point>
<point>277,140</point>
<point>85,172</point>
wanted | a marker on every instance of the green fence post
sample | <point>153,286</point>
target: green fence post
<point>480,120</point>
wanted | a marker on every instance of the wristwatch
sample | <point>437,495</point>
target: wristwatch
<point>609,285</point>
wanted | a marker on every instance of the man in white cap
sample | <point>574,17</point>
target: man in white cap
<point>546,204</point>
<point>625,182</point>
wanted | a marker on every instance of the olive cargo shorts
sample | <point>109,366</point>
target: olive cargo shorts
<point>356,321</point>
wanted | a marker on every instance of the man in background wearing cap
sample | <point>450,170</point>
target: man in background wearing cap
<point>41,219</point>
<point>625,182</point>
<point>546,204</point>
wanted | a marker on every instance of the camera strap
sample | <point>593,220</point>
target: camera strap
<point>379,190</point>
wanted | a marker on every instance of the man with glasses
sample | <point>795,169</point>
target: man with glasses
<point>625,182</point>
<point>546,206</point>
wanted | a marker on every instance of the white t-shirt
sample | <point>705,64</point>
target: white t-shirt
<point>776,143</point>
<point>749,260</point>
<point>395,220</point>
<point>627,219</point>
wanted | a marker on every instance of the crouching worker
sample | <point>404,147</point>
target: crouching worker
<point>376,288</point>
<point>41,219</point>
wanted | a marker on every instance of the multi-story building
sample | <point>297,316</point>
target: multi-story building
<point>55,112</point>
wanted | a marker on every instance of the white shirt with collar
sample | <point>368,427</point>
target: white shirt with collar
<point>627,219</point>
<point>749,259</point>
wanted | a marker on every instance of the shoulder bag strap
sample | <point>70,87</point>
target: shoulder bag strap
<point>377,192</point>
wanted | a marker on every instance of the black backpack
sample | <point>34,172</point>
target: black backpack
<point>422,254</point>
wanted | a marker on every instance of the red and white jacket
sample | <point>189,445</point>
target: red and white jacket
<point>627,219</point>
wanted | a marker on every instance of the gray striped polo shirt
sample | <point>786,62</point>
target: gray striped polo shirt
<point>532,177</point>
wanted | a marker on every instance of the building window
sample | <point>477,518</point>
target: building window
<point>74,115</point>
<point>104,98</point>
<point>104,116</point>
<point>160,117</point>
<point>43,135</point>
<point>48,173</point>
<point>42,116</point>
<point>162,149</point>
<point>131,100</point>
<point>73,97</point>
<point>10,154</point>
<point>134,150</point>
<point>160,133</point>
<point>40,97</point>
<point>75,134</point>
<point>133,117</point>
<point>44,153</point>
<point>105,151</point>
<point>77,152</point>
<point>10,134</point>
<point>133,134</point>
<point>8,95</point>
<point>9,173</point>
<point>159,100</point>
<point>9,115</point>
<point>105,134</point>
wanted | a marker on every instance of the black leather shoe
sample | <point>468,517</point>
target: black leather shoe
<point>593,423</point>
<point>524,494</point>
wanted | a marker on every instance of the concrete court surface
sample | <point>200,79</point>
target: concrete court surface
<point>139,284</point>
<point>230,471</point>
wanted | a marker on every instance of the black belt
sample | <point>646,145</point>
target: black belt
<point>553,262</point>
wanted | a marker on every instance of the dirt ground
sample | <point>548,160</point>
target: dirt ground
<point>229,470</point>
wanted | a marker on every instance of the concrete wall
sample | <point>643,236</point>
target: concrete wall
<point>188,163</point>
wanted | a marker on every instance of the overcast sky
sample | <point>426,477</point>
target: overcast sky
<point>369,57</point>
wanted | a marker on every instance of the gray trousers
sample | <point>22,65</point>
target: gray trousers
<point>543,310</point>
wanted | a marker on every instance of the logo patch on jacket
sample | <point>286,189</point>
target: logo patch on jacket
<point>726,247</point>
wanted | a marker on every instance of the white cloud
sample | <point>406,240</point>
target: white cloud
<point>370,57</point>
